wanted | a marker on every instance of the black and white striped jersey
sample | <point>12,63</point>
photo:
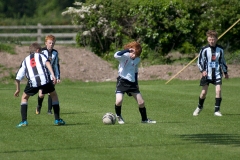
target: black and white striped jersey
<point>53,57</point>
<point>211,59</point>
<point>34,68</point>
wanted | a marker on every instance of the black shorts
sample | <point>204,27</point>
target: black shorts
<point>204,81</point>
<point>47,88</point>
<point>124,85</point>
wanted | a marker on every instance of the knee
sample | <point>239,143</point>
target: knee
<point>141,104</point>
<point>218,91</point>
<point>203,94</point>
<point>118,102</point>
<point>40,95</point>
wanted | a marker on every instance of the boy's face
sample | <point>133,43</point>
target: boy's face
<point>49,44</point>
<point>132,55</point>
<point>212,41</point>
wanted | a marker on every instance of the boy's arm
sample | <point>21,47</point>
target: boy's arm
<point>56,68</point>
<point>224,66</point>
<point>17,82</point>
<point>19,76</point>
<point>49,66</point>
<point>122,52</point>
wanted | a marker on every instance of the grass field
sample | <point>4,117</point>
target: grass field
<point>177,134</point>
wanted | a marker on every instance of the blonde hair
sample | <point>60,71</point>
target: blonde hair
<point>212,33</point>
<point>135,45</point>
<point>50,37</point>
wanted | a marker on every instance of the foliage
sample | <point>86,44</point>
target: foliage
<point>161,25</point>
<point>176,135</point>
<point>30,12</point>
<point>9,48</point>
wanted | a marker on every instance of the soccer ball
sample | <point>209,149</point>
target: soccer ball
<point>109,118</point>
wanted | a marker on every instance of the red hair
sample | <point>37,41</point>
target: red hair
<point>51,37</point>
<point>135,45</point>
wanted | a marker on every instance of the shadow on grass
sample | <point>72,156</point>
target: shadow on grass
<point>215,139</point>
<point>227,114</point>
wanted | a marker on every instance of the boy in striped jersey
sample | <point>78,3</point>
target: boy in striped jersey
<point>52,55</point>
<point>211,63</point>
<point>127,81</point>
<point>34,67</point>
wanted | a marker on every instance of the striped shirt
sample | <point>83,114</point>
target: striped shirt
<point>53,57</point>
<point>34,68</point>
<point>211,60</point>
<point>128,67</point>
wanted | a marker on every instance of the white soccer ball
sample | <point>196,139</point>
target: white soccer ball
<point>109,118</point>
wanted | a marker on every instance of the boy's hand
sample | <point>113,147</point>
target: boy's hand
<point>54,80</point>
<point>226,76</point>
<point>16,94</point>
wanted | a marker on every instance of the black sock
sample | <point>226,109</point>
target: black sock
<point>40,101</point>
<point>49,103</point>
<point>56,110</point>
<point>200,103</point>
<point>118,110</point>
<point>24,111</point>
<point>217,104</point>
<point>143,113</point>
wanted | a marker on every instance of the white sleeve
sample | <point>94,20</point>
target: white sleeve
<point>21,72</point>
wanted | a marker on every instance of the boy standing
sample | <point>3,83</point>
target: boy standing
<point>52,56</point>
<point>127,81</point>
<point>35,68</point>
<point>211,63</point>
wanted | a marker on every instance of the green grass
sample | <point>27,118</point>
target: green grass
<point>177,134</point>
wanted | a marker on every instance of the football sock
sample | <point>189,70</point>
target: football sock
<point>200,103</point>
<point>49,103</point>
<point>143,113</point>
<point>24,107</point>
<point>56,110</point>
<point>40,101</point>
<point>217,104</point>
<point>118,110</point>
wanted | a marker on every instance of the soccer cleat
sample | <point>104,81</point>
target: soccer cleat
<point>59,122</point>
<point>22,124</point>
<point>120,119</point>
<point>49,112</point>
<point>197,111</point>
<point>38,110</point>
<point>219,114</point>
<point>149,121</point>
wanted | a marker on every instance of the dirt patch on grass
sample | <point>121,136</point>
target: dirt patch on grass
<point>80,64</point>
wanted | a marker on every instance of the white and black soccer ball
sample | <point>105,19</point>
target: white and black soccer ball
<point>109,118</point>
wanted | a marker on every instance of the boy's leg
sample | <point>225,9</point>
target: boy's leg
<point>24,107</point>
<point>218,101</point>
<point>49,104</point>
<point>142,108</point>
<point>40,101</point>
<point>118,107</point>
<point>56,108</point>
<point>201,100</point>
<point>140,101</point>
<point>118,103</point>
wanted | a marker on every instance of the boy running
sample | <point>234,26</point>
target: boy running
<point>34,67</point>
<point>52,56</point>
<point>127,81</point>
<point>211,63</point>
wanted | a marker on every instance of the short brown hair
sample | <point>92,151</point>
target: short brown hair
<point>35,47</point>
<point>136,46</point>
<point>211,33</point>
<point>51,37</point>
